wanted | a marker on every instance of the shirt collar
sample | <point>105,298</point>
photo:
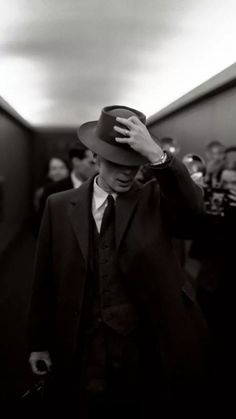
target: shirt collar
<point>76,182</point>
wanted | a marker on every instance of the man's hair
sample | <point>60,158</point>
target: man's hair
<point>214,143</point>
<point>79,152</point>
<point>168,141</point>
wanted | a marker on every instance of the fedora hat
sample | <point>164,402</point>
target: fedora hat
<point>99,136</point>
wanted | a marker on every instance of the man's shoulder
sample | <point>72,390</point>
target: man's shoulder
<point>60,186</point>
<point>147,186</point>
<point>65,195</point>
<point>72,195</point>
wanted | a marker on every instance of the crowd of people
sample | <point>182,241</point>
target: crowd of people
<point>212,246</point>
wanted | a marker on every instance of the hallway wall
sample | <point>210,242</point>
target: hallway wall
<point>15,175</point>
<point>203,115</point>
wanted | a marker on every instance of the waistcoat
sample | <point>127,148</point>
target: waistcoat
<point>110,301</point>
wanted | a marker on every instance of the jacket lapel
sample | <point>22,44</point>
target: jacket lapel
<point>125,206</point>
<point>80,210</point>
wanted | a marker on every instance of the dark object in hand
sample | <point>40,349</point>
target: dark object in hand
<point>42,367</point>
<point>216,200</point>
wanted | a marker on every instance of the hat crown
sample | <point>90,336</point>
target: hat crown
<point>105,126</point>
<point>122,112</point>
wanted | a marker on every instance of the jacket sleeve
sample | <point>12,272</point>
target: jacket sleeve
<point>42,297</point>
<point>182,200</point>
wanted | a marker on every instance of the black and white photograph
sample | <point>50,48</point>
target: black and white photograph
<point>117,208</point>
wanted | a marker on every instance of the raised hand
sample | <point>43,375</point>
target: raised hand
<point>138,138</point>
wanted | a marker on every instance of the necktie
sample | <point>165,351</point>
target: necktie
<point>108,216</point>
<point>117,310</point>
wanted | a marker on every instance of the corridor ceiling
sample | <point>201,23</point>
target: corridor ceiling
<point>61,61</point>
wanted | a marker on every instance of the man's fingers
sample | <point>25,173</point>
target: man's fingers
<point>135,120</point>
<point>129,123</point>
<point>125,140</point>
<point>123,131</point>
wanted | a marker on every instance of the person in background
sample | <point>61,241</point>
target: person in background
<point>228,178</point>
<point>83,165</point>
<point>57,169</point>
<point>207,244</point>
<point>215,162</point>
<point>112,314</point>
<point>171,145</point>
<point>217,284</point>
<point>196,167</point>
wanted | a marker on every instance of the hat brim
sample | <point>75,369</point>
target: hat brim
<point>119,154</point>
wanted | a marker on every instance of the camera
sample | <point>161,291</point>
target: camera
<point>216,200</point>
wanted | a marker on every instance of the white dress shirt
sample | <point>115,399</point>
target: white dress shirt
<point>76,182</point>
<point>99,203</point>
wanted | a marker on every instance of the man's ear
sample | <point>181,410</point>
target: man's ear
<point>75,162</point>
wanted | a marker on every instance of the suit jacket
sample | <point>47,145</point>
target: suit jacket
<point>146,218</point>
<point>55,187</point>
<point>51,188</point>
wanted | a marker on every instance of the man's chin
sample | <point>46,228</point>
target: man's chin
<point>123,187</point>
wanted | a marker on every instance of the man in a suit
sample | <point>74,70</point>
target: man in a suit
<point>112,315</point>
<point>83,165</point>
